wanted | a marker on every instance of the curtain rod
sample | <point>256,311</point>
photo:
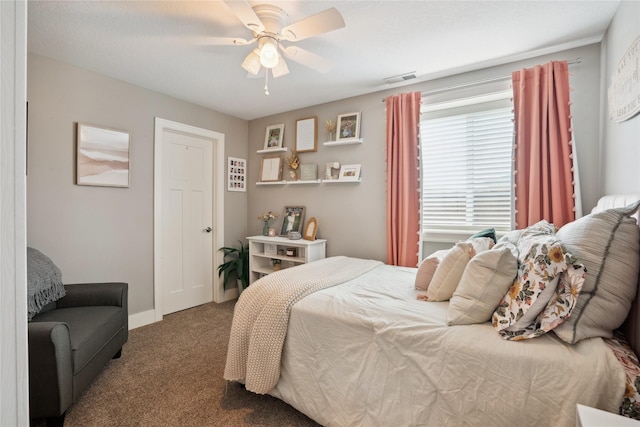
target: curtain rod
<point>477,82</point>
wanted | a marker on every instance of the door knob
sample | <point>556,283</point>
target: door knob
<point>208,229</point>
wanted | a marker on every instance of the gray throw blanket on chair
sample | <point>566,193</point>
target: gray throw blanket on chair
<point>44,281</point>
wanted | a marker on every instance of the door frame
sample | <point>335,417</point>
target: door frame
<point>161,126</point>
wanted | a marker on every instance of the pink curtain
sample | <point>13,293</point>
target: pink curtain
<point>403,216</point>
<point>543,146</point>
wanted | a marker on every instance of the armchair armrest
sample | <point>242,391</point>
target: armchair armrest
<point>50,369</point>
<point>87,294</point>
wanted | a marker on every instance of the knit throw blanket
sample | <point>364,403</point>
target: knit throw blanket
<point>44,282</point>
<point>261,317</point>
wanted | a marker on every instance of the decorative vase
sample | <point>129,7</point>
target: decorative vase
<point>293,175</point>
<point>332,136</point>
<point>265,229</point>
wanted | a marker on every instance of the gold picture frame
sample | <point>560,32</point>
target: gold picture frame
<point>307,135</point>
<point>271,169</point>
<point>310,229</point>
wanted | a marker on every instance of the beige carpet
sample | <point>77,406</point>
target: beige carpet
<point>170,374</point>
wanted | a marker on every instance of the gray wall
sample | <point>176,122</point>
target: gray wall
<point>621,141</point>
<point>352,216</point>
<point>101,233</point>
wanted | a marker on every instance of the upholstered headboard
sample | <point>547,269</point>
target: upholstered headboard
<point>631,326</point>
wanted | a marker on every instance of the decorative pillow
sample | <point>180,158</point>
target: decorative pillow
<point>44,282</point>
<point>484,282</point>
<point>622,350</point>
<point>535,303</point>
<point>489,232</point>
<point>450,270</point>
<point>608,243</point>
<point>428,268</point>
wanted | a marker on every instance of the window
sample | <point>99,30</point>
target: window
<point>466,163</point>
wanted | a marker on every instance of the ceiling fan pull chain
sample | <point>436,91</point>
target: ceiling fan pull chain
<point>266,82</point>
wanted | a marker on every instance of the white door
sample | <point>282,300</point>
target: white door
<point>187,221</point>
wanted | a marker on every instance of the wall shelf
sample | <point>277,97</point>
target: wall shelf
<point>346,142</point>
<point>272,183</point>
<point>301,182</point>
<point>340,181</point>
<point>272,150</point>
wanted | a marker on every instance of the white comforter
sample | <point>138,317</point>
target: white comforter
<point>367,353</point>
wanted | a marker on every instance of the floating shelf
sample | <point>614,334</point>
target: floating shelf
<point>346,142</point>
<point>271,183</point>
<point>340,181</point>
<point>299,182</point>
<point>272,150</point>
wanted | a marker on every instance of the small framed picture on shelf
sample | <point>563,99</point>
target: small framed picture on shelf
<point>292,220</point>
<point>310,229</point>
<point>236,174</point>
<point>348,127</point>
<point>274,136</point>
<point>308,172</point>
<point>350,173</point>
<point>332,171</point>
<point>270,249</point>
<point>271,169</point>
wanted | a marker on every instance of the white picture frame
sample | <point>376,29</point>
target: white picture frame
<point>349,173</point>
<point>273,137</point>
<point>102,156</point>
<point>348,127</point>
<point>236,174</point>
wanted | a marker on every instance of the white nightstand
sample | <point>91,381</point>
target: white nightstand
<point>264,249</point>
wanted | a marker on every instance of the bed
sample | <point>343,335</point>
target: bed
<point>348,343</point>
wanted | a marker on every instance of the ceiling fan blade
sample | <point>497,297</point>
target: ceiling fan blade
<point>252,62</point>
<point>246,15</point>
<point>281,69</point>
<point>323,22</point>
<point>228,41</point>
<point>308,59</point>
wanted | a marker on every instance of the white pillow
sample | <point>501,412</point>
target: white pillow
<point>484,282</point>
<point>428,268</point>
<point>448,274</point>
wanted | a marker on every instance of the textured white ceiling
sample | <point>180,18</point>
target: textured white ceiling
<point>165,45</point>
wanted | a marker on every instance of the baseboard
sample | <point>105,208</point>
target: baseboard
<point>141,319</point>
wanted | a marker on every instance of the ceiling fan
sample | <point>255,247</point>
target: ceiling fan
<point>270,27</point>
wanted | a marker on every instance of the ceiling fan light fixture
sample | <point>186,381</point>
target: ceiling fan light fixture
<point>269,52</point>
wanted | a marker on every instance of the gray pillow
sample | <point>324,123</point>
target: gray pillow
<point>44,282</point>
<point>608,244</point>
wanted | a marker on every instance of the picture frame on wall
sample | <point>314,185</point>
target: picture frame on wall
<point>274,137</point>
<point>292,219</point>
<point>307,135</point>
<point>102,156</point>
<point>271,169</point>
<point>348,127</point>
<point>236,174</point>
<point>350,173</point>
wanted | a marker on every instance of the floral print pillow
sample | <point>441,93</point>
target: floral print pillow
<point>545,290</point>
<point>631,401</point>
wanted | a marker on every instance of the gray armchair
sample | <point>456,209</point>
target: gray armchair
<point>70,342</point>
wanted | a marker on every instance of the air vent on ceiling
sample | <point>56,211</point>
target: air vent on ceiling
<point>400,78</point>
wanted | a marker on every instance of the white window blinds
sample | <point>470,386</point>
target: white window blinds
<point>466,153</point>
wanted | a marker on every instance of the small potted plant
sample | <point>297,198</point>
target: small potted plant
<point>236,266</point>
